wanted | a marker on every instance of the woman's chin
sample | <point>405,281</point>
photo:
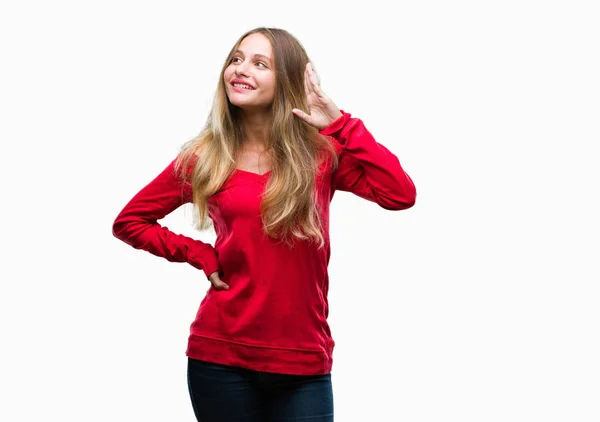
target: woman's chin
<point>250,106</point>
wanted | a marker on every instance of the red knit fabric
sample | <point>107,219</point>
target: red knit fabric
<point>273,317</point>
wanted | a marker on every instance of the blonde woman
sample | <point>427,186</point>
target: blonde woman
<point>265,167</point>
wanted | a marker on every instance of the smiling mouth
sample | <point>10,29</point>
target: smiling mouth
<point>242,86</point>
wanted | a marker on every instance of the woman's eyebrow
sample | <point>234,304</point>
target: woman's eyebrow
<point>262,56</point>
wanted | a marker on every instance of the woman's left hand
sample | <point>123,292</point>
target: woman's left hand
<point>322,111</point>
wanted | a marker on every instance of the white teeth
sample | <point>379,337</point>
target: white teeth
<point>242,86</point>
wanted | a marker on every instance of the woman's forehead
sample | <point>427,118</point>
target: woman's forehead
<point>256,44</point>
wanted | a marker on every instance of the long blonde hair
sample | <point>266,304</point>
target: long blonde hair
<point>289,207</point>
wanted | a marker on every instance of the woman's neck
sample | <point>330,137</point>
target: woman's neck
<point>256,131</point>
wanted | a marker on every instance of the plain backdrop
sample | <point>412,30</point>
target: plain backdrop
<point>480,303</point>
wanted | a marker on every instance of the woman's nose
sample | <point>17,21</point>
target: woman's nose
<point>241,69</point>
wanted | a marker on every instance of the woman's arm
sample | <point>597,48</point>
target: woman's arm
<point>137,223</point>
<point>367,168</point>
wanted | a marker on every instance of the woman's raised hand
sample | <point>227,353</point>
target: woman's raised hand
<point>322,110</point>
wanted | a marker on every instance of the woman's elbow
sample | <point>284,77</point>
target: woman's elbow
<point>124,230</point>
<point>118,229</point>
<point>403,200</point>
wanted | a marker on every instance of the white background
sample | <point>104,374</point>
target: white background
<point>480,303</point>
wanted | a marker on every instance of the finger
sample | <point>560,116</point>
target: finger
<point>313,71</point>
<point>315,83</point>
<point>312,76</point>
<point>309,83</point>
<point>319,92</point>
<point>301,115</point>
<point>306,83</point>
<point>218,283</point>
<point>220,286</point>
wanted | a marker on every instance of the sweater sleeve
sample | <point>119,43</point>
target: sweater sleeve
<point>367,168</point>
<point>137,223</point>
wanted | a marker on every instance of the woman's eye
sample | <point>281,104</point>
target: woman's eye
<point>258,63</point>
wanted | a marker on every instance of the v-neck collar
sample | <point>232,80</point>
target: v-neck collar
<point>252,173</point>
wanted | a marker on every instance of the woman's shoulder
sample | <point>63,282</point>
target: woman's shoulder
<point>185,161</point>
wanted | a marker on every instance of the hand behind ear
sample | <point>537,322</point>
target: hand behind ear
<point>322,111</point>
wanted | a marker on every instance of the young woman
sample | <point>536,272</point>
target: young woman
<point>265,167</point>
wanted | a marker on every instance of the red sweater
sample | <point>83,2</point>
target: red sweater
<point>273,317</point>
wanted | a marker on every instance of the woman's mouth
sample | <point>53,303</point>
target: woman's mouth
<point>238,87</point>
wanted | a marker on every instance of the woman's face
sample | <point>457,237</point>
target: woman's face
<point>252,66</point>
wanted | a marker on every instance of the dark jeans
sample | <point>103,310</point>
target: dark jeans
<point>221,393</point>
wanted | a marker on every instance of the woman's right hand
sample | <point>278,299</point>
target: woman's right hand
<point>217,282</point>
